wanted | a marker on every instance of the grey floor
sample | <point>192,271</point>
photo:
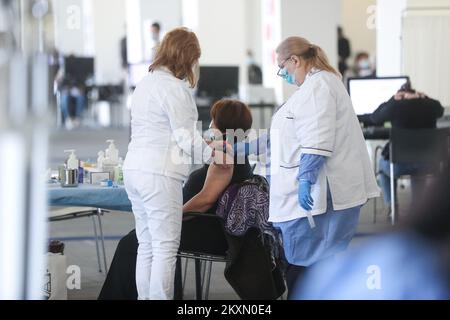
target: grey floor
<point>78,234</point>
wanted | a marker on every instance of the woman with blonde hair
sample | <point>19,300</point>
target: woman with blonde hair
<point>164,143</point>
<point>320,170</point>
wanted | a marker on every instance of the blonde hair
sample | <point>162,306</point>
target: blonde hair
<point>179,52</point>
<point>314,55</point>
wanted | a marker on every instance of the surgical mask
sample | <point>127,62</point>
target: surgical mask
<point>289,78</point>
<point>364,64</point>
<point>212,134</point>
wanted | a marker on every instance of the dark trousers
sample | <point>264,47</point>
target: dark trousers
<point>294,275</point>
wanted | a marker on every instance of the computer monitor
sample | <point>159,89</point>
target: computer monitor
<point>218,82</point>
<point>79,69</point>
<point>137,72</point>
<point>369,93</point>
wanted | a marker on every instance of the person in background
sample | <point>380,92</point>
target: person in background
<point>54,62</point>
<point>155,31</point>
<point>408,109</point>
<point>344,51</point>
<point>412,263</point>
<point>255,75</point>
<point>124,51</point>
<point>69,87</point>
<point>363,67</point>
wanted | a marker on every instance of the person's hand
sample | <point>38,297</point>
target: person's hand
<point>411,95</point>
<point>304,195</point>
<point>399,96</point>
<point>421,95</point>
<point>217,145</point>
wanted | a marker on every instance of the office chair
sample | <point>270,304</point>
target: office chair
<point>423,146</point>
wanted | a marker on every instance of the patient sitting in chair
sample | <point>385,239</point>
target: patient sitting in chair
<point>201,193</point>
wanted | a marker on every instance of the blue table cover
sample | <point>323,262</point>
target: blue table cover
<point>89,196</point>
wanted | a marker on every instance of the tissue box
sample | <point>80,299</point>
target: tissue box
<point>97,177</point>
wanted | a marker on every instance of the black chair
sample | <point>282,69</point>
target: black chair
<point>429,147</point>
<point>203,240</point>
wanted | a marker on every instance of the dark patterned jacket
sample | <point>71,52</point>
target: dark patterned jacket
<point>254,246</point>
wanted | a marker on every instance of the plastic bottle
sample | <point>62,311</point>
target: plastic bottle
<point>72,161</point>
<point>118,173</point>
<point>100,160</point>
<point>112,153</point>
<point>80,174</point>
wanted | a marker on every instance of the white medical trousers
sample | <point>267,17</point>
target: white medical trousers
<point>157,203</point>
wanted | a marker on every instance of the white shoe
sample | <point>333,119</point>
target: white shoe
<point>69,124</point>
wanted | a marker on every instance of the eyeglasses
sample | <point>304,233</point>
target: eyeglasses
<point>281,68</point>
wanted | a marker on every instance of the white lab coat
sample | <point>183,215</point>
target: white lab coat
<point>165,139</point>
<point>319,119</point>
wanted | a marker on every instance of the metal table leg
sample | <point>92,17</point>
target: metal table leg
<point>102,238</point>
<point>96,244</point>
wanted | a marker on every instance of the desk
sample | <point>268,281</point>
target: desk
<point>376,133</point>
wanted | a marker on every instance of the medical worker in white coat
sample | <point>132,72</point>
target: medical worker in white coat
<point>320,171</point>
<point>163,146</point>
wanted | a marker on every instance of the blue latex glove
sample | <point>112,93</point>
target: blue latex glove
<point>255,147</point>
<point>304,195</point>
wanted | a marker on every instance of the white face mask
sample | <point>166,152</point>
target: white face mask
<point>364,64</point>
<point>212,134</point>
<point>155,37</point>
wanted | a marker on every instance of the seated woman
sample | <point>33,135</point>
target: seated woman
<point>200,194</point>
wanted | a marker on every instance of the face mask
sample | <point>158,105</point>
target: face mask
<point>364,64</point>
<point>212,134</point>
<point>289,78</point>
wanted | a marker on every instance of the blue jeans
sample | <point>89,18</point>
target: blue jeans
<point>399,170</point>
<point>80,101</point>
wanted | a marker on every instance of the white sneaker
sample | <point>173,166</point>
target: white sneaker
<point>69,124</point>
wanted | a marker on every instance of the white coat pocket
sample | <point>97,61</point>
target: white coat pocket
<point>286,182</point>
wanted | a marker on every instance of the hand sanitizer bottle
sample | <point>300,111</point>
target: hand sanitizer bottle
<point>100,160</point>
<point>112,153</point>
<point>118,173</point>
<point>72,162</point>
